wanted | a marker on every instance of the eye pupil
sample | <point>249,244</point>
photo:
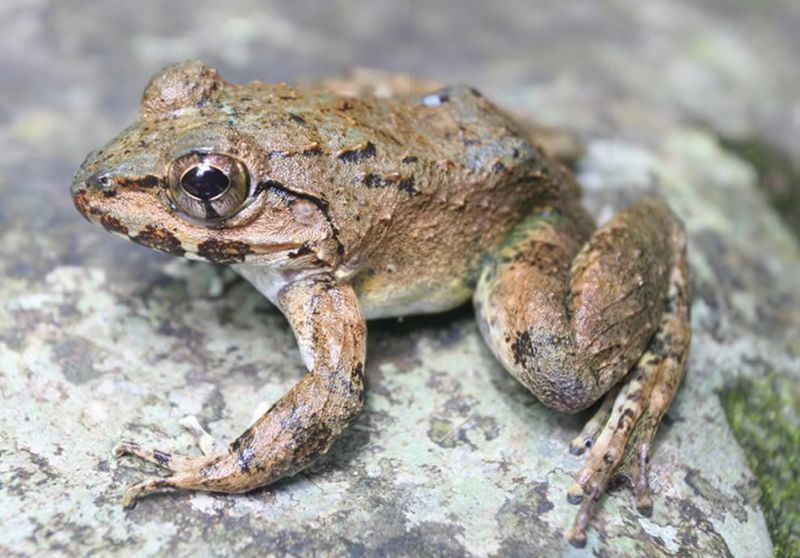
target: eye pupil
<point>204,182</point>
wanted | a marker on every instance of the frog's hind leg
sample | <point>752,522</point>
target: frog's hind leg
<point>575,315</point>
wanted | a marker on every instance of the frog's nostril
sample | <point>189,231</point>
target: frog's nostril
<point>98,181</point>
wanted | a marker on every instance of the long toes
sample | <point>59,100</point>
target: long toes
<point>125,447</point>
<point>163,459</point>
<point>590,493</point>
<point>580,444</point>
<point>610,431</point>
<point>577,535</point>
<point>133,493</point>
<point>575,494</point>
<point>641,484</point>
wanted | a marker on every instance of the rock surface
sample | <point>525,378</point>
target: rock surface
<point>100,338</point>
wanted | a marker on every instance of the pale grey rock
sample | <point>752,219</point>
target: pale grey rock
<point>100,339</point>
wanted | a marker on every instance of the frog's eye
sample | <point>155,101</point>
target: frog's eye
<point>208,186</point>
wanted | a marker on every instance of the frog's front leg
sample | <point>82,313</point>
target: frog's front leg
<point>575,315</point>
<point>331,334</point>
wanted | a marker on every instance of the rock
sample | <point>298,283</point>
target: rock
<point>101,339</point>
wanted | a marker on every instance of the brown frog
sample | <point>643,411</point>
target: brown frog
<point>343,204</point>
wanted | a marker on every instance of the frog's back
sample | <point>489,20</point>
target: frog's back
<point>368,146</point>
<point>458,176</point>
<point>417,187</point>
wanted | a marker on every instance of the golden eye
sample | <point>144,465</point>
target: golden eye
<point>208,186</point>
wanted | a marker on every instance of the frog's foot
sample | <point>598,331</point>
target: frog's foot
<point>623,446</point>
<point>183,467</point>
<point>168,460</point>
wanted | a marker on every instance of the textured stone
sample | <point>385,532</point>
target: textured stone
<point>100,338</point>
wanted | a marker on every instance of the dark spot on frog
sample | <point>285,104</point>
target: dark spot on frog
<point>353,155</point>
<point>245,457</point>
<point>224,251</point>
<point>475,92</point>
<point>410,159</point>
<point>523,348</point>
<point>112,224</point>
<point>160,239</point>
<point>374,181</point>
<point>81,203</point>
<point>657,346</point>
<point>407,185</point>
<point>147,181</point>
<point>312,151</point>
<point>109,193</point>
<point>498,167</point>
<point>162,457</point>
<point>302,251</point>
<point>243,442</point>
<point>622,419</point>
<point>297,119</point>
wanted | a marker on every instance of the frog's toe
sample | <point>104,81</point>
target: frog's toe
<point>640,464</point>
<point>619,438</point>
<point>204,440</point>
<point>163,459</point>
<point>608,446</point>
<point>133,493</point>
<point>586,439</point>
<point>188,473</point>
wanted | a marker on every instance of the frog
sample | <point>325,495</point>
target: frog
<point>347,202</point>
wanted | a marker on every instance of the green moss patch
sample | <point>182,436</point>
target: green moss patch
<point>765,417</point>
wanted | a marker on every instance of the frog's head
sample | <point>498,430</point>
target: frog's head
<point>186,179</point>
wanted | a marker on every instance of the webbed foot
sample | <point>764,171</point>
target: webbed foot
<point>170,461</point>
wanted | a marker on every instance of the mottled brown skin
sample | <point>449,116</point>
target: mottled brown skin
<point>366,199</point>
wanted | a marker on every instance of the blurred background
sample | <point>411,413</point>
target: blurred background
<point>73,71</point>
<point>697,100</point>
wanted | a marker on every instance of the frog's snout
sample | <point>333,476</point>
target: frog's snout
<point>86,188</point>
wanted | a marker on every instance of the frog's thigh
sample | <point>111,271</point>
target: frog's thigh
<point>570,316</point>
<point>570,319</point>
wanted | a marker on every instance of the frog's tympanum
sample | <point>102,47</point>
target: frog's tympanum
<point>345,205</point>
